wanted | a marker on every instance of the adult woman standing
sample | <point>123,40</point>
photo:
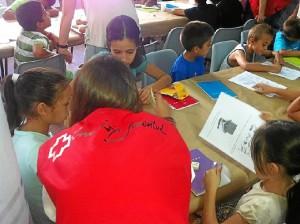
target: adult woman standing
<point>98,15</point>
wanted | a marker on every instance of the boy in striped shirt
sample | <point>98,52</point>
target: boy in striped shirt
<point>33,41</point>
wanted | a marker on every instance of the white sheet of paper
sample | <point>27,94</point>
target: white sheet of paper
<point>231,126</point>
<point>285,72</point>
<point>249,80</point>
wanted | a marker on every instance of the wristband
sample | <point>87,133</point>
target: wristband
<point>62,46</point>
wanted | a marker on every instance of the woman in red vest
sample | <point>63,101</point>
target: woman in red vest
<point>274,12</point>
<point>116,163</point>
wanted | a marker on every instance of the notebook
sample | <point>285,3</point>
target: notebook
<point>214,88</point>
<point>180,104</point>
<point>293,61</point>
<point>204,165</point>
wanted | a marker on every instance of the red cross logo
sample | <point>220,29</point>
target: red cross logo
<point>59,146</point>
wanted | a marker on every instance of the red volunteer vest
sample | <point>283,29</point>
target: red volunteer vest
<point>116,166</point>
<point>272,6</point>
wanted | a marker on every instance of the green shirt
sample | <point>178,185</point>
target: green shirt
<point>17,3</point>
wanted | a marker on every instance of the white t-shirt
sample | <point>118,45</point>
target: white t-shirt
<point>260,207</point>
<point>13,206</point>
<point>100,13</point>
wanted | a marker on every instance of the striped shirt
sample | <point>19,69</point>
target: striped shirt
<point>24,46</point>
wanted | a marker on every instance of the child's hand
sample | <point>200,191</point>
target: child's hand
<point>161,106</point>
<point>145,95</point>
<point>263,88</point>
<point>212,178</point>
<point>278,59</point>
<point>55,40</point>
<point>267,116</point>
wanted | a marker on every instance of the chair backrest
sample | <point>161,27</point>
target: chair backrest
<point>223,34</point>
<point>56,62</point>
<point>249,24</point>
<point>151,47</point>
<point>244,36</point>
<point>164,59</point>
<point>219,52</point>
<point>173,40</point>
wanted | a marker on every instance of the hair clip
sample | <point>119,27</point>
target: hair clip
<point>15,77</point>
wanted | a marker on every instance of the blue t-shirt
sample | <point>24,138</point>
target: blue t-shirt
<point>184,69</point>
<point>134,71</point>
<point>282,43</point>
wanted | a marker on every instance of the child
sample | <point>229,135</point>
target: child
<point>33,41</point>
<point>259,38</point>
<point>10,12</point>
<point>202,12</point>
<point>293,109</point>
<point>196,40</point>
<point>287,42</point>
<point>123,41</point>
<point>111,159</point>
<point>34,100</point>
<point>275,151</point>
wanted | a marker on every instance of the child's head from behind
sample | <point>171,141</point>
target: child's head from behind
<point>39,93</point>
<point>104,81</point>
<point>32,16</point>
<point>291,29</point>
<point>260,37</point>
<point>123,40</point>
<point>277,142</point>
<point>196,36</point>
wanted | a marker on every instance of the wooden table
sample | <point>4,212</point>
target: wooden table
<point>191,120</point>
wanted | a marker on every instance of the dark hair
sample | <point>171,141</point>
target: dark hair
<point>291,28</point>
<point>124,27</point>
<point>29,14</point>
<point>259,30</point>
<point>103,81</point>
<point>293,200</point>
<point>195,33</point>
<point>33,86</point>
<point>277,142</point>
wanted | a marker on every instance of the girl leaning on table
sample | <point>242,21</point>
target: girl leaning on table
<point>275,150</point>
<point>123,41</point>
<point>116,162</point>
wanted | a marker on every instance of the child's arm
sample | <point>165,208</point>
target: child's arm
<point>293,110</point>
<point>178,12</point>
<point>163,80</point>
<point>276,57</point>
<point>9,14</point>
<point>211,180</point>
<point>283,93</point>
<point>239,56</point>
<point>40,52</point>
<point>52,11</point>
<point>289,53</point>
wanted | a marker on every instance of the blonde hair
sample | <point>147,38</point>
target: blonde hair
<point>260,30</point>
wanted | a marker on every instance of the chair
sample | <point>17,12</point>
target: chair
<point>173,41</point>
<point>249,24</point>
<point>56,62</point>
<point>223,34</point>
<point>151,47</point>
<point>244,36</point>
<point>219,52</point>
<point>164,59</point>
